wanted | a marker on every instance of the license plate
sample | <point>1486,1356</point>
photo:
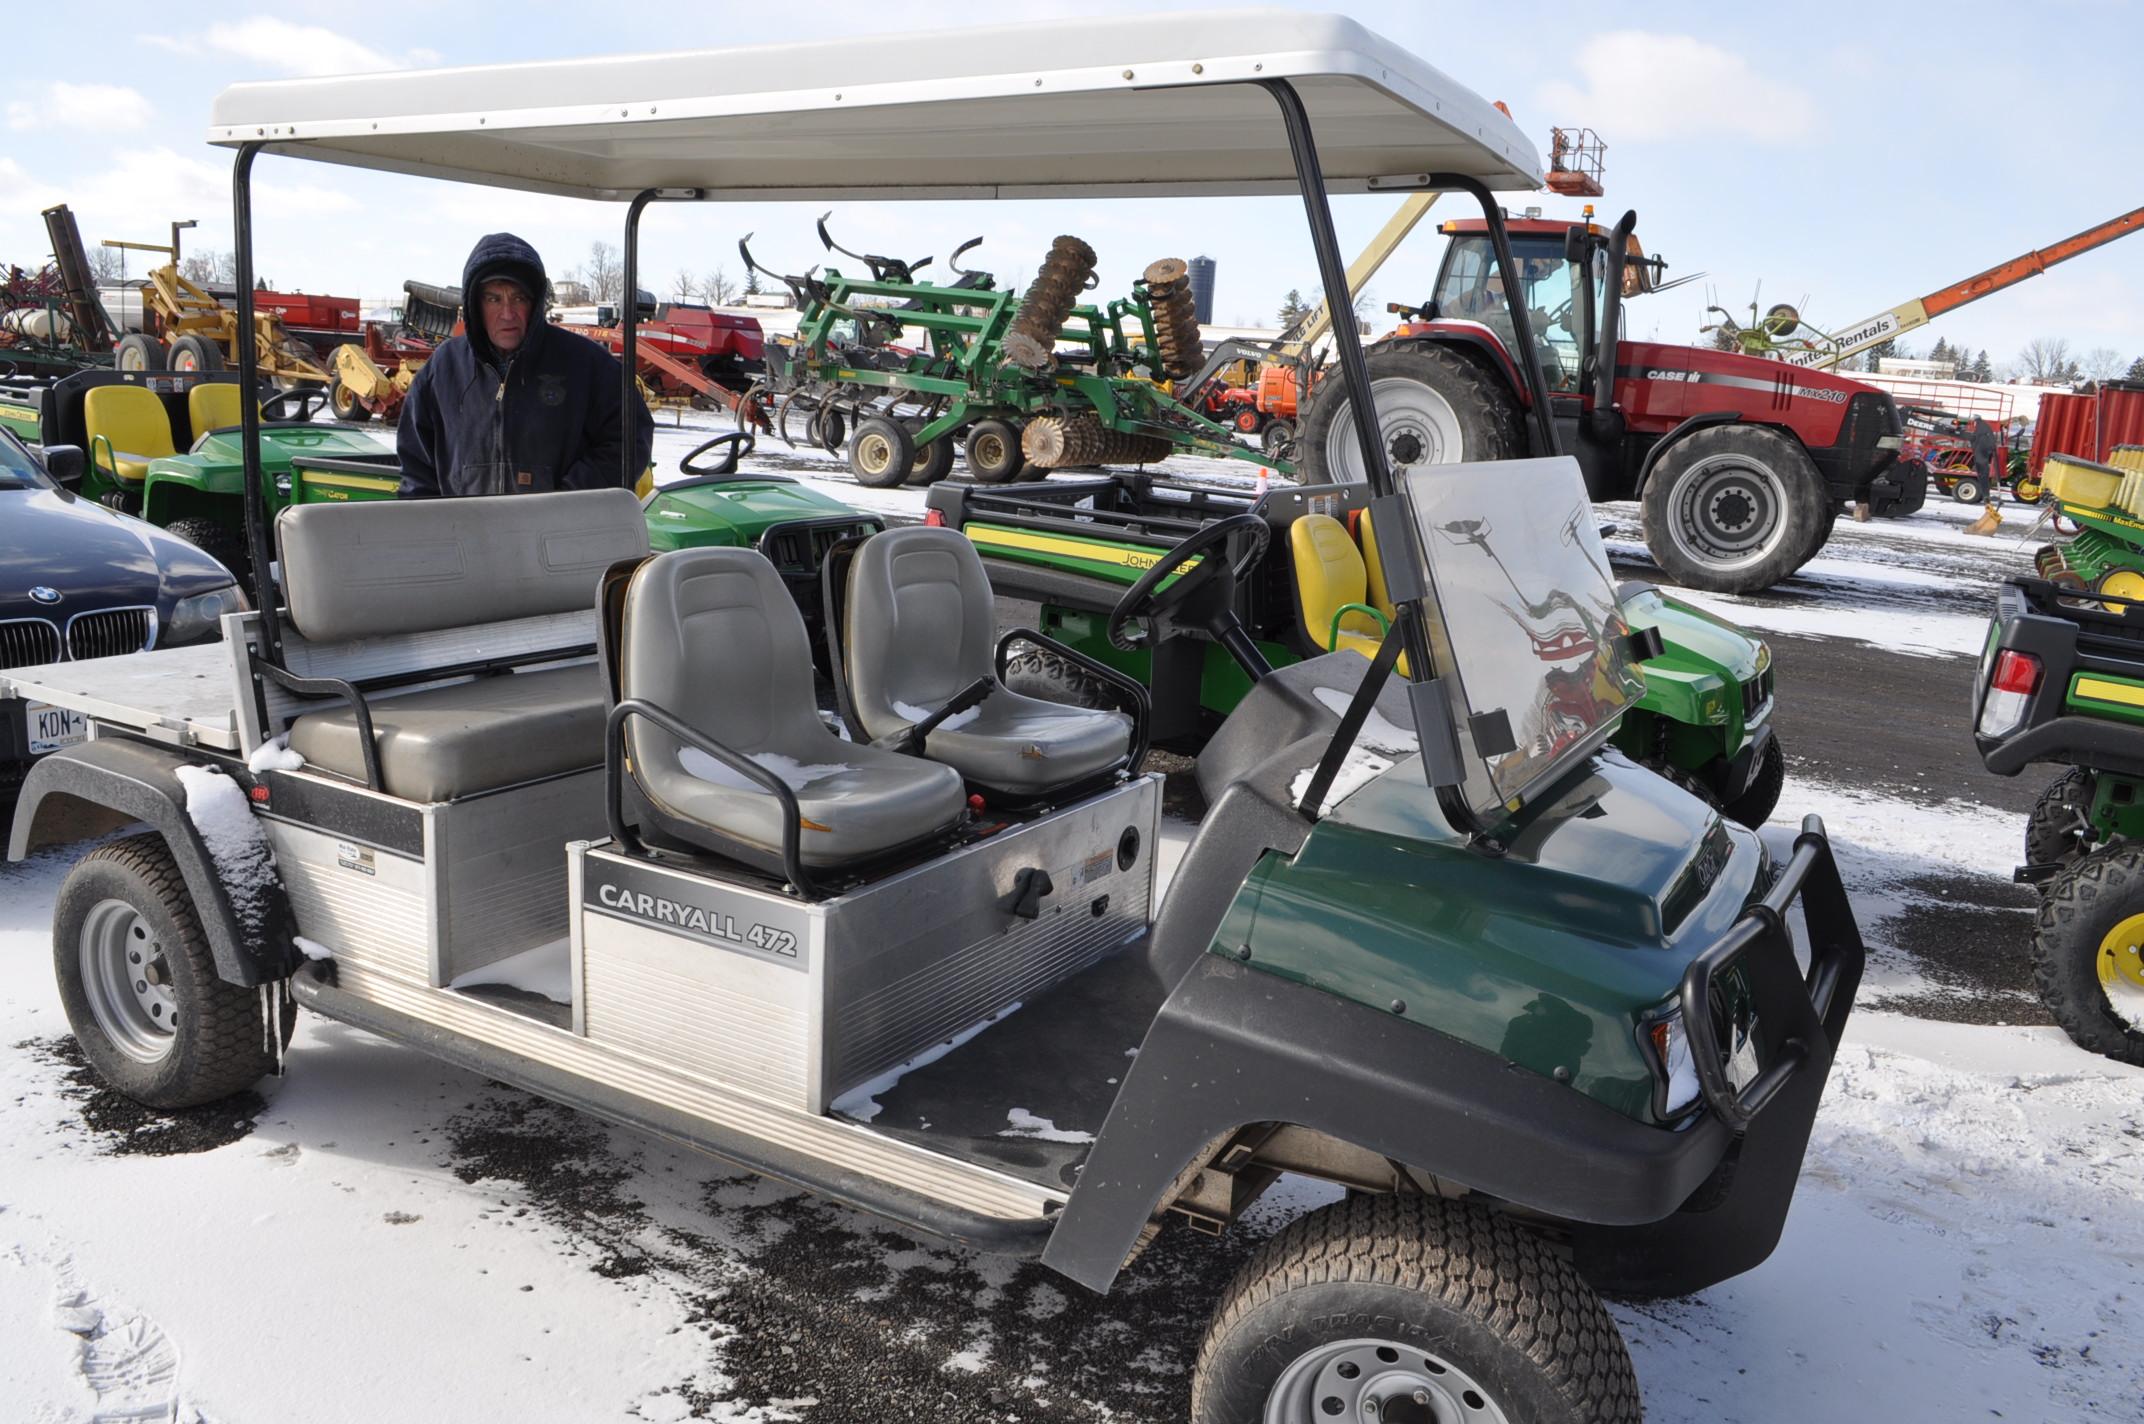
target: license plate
<point>54,727</point>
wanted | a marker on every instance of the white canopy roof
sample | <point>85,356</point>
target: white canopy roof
<point>1140,106</point>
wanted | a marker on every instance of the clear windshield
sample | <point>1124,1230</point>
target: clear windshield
<point>1527,634</point>
<point>1473,290</point>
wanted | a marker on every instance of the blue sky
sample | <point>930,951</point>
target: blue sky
<point>1845,157</point>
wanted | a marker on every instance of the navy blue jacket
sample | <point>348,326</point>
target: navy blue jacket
<point>546,417</point>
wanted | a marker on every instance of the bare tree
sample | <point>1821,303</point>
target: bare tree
<point>604,274</point>
<point>2045,358</point>
<point>717,288</point>
<point>682,286</point>
<point>2102,363</point>
<point>104,265</point>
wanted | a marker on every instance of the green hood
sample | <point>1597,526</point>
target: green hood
<point>732,512</point>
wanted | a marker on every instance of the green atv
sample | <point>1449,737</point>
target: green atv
<point>1704,721</point>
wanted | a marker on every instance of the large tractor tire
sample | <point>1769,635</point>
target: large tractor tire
<point>2088,953</point>
<point>193,352</point>
<point>1434,407</point>
<point>137,352</point>
<point>1383,1308</point>
<point>220,541</point>
<point>1734,509</point>
<point>139,984</point>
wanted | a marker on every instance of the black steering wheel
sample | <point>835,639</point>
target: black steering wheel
<point>297,403</point>
<point>1148,599</point>
<point>741,443</point>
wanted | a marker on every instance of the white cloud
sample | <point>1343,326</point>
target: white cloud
<point>97,108</point>
<point>304,50</point>
<point>1640,85</point>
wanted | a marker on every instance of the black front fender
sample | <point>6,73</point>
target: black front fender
<point>1234,1046</point>
<point>101,785</point>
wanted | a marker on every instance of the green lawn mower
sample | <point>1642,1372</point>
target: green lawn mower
<point>1704,720</point>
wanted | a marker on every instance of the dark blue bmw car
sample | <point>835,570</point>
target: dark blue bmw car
<point>78,580</point>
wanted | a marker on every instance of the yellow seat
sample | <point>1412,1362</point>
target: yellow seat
<point>1373,567</point>
<point>214,406</point>
<point>128,427</point>
<point>1331,583</point>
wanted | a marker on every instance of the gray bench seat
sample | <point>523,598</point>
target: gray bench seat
<point>452,741</point>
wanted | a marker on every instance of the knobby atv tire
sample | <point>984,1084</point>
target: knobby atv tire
<point>227,546</point>
<point>1485,414</point>
<point>1053,679</point>
<point>1761,797</point>
<point>217,1048</point>
<point>1801,512</point>
<point>2082,907</point>
<point>2054,832</point>
<point>1458,1283</point>
<point>1687,780</point>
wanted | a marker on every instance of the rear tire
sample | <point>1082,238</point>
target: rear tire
<point>2088,952</point>
<point>227,546</point>
<point>933,462</point>
<point>881,453</point>
<point>1398,1300</point>
<point>2055,832</point>
<point>1755,805</point>
<point>993,452</point>
<point>1969,490</point>
<point>1734,509</point>
<point>195,353</point>
<point>1434,408</point>
<point>187,1040</point>
<point>138,352</point>
<point>344,403</point>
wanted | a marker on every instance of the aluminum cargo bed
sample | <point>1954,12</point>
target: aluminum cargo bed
<point>176,695</point>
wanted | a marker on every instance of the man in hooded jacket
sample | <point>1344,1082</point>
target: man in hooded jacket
<point>517,405</point>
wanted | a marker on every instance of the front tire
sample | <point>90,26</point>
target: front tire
<point>993,452</point>
<point>1433,408</point>
<point>2088,953</point>
<point>1411,1308</point>
<point>1761,797</point>
<point>139,984</point>
<point>227,546</point>
<point>881,453</point>
<point>1734,509</point>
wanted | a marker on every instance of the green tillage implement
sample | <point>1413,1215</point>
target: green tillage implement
<point>966,377</point>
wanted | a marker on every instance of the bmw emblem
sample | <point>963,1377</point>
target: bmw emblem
<point>45,594</point>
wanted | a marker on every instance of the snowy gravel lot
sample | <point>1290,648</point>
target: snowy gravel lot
<point>378,1238</point>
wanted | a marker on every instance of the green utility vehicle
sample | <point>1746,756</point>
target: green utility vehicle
<point>2062,682</point>
<point>1554,1024</point>
<point>1076,547</point>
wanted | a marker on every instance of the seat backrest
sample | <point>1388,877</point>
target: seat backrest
<point>1379,596</point>
<point>920,625</point>
<point>713,637</point>
<point>377,568</point>
<point>132,418</point>
<point>1328,572</point>
<point>214,405</point>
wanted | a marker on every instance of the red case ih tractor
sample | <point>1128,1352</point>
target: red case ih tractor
<point>1741,463</point>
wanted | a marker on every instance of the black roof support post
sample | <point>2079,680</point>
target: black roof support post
<point>1528,356</point>
<point>631,353</point>
<point>259,546</point>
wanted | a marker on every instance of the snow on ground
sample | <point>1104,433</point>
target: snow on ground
<point>378,1237</point>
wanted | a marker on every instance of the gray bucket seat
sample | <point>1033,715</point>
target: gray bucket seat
<point>920,627</point>
<point>712,637</point>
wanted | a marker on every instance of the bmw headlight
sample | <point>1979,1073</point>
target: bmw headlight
<point>193,617</point>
